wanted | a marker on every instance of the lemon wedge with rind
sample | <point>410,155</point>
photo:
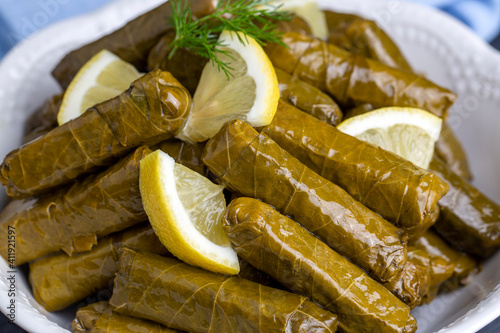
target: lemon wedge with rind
<point>408,132</point>
<point>251,93</point>
<point>309,11</point>
<point>103,77</point>
<point>185,210</point>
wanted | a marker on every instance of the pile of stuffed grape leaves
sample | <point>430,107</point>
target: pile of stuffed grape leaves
<point>331,232</point>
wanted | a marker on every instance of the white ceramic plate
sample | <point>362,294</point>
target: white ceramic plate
<point>436,44</point>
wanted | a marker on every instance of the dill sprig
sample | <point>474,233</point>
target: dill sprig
<point>255,18</point>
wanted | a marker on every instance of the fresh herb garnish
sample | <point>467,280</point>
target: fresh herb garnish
<point>255,18</point>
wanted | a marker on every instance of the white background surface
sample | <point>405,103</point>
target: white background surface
<point>436,44</point>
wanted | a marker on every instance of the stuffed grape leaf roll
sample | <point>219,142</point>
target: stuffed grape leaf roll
<point>185,65</point>
<point>183,297</point>
<point>448,266</point>
<point>72,219</point>
<point>359,35</point>
<point>294,24</point>
<point>185,153</point>
<point>283,249</point>
<point>59,280</point>
<point>449,149</point>
<point>469,220</point>
<point>251,273</point>
<point>253,165</point>
<point>150,111</point>
<point>308,98</point>
<point>353,80</point>
<point>413,282</point>
<point>100,318</point>
<point>43,119</point>
<point>401,192</point>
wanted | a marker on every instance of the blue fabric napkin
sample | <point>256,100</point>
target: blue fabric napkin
<point>20,18</point>
<point>482,16</point>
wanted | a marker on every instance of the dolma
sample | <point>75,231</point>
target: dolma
<point>469,221</point>
<point>72,219</point>
<point>413,283</point>
<point>308,98</point>
<point>295,24</point>
<point>465,268</point>
<point>441,267</point>
<point>100,318</point>
<point>253,165</point>
<point>359,35</point>
<point>36,133</point>
<point>251,273</point>
<point>359,110</point>
<point>185,65</point>
<point>352,79</point>
<point>282,248</point>
<point>450,150</point>
<point>447,264</point>
<point>183,297</point>
<point>401,192</point>
<point>132,42</point>
<point>44,119</point>
<point>150,111</point>
<point>338,23</point>
<point>185,153</point>
<point>59,280</point>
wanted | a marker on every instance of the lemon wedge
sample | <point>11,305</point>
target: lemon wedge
<point>251,93</point>
<point>103,77</point>
<point>185,211</point>
<point>309,11</point>
<point>408,132</point>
